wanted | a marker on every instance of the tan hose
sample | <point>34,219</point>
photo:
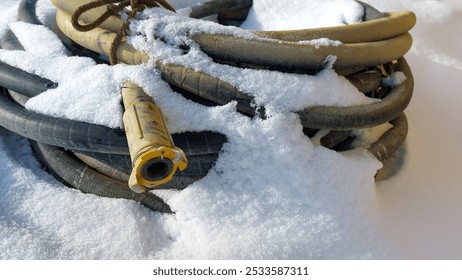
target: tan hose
<point>363,116</point>
<point>280,54</point>
<point>391,140</point>
<point>69,7</point>
<point>391,26</point>
<point>284,54</point>
<point>99,40</point>
<point>395,24</point>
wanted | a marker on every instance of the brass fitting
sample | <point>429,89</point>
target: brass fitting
<point>155,159</point>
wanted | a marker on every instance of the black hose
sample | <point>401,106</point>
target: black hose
<point>26,12</point>
<point>197,165</point>
<point>10,42</point>
<point>21,81</point>
<point>60,132</point>
<point>74,173</point>
<point>122,173</point>
<point>81,136</point>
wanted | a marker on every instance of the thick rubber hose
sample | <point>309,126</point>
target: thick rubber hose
<point>220,92</point>
<point>82,136</point>
<point>292,56</point>
<point>335,138</point>
<point>114,23</point>
<point>123,174</point>
<point>363,116</point>
<point>22,81</point>
<point>206,86</point>
<point>198,166</point>
<point>99,40</point>
<point>393,25</point>
<point>205,158</point>
<point>32,85</point>
<point>391,140</point>
<point>78,175</point>
<point>59,132</point>
<point>401,95</point>
<point>390,37</point>
<point>203,84</point>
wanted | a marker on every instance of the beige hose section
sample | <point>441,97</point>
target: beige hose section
<point>395,24</point>
<point>298,56</point>
<point>385,39</point>
<point>363,116</point>
<point>99,40</point>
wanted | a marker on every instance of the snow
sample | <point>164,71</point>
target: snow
<point>298,14</point>
<point>273,193</point>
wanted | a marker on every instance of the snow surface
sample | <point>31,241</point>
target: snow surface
<point>298,14</point>
<point>273,193</point>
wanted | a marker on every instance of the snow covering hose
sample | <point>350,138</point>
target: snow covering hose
<point>101,161</point>
<point>385,40</point>
<point>209,87</point>
<point>376,44</point>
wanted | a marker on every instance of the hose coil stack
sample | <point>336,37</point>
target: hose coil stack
<point>95,159</point>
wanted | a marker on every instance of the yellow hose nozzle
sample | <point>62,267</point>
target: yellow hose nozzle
<point>155,159</point>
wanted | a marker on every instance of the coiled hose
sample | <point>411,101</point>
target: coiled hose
<point>96,158</point>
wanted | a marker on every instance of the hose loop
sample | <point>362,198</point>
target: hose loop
<point>114,8</point>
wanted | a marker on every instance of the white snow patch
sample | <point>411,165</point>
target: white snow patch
<point>301,14</point>
<point>394,79</point>
<point>322,42</point>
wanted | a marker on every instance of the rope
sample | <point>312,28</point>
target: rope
<point>113,9</point>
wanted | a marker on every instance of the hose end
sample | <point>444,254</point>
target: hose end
<point>155,158</point>
<point>156,166</point>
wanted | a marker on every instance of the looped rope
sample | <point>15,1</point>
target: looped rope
<point>114,8</point>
